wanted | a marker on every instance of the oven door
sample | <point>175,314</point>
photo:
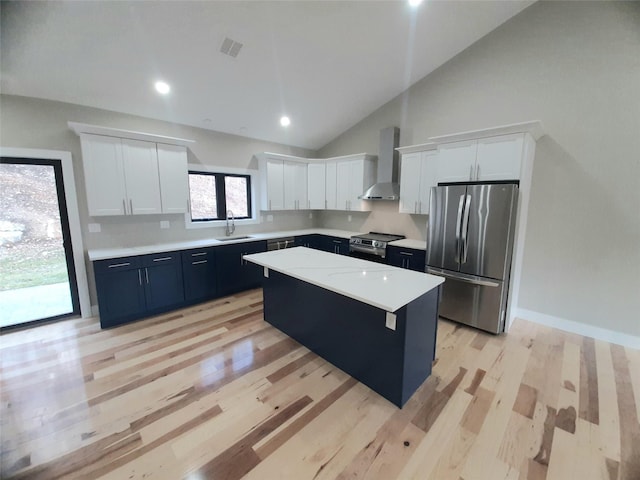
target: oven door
<point>367,254</point>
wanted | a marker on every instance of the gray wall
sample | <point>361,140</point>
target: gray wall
<point>576,67</point>
<point>35,123</point>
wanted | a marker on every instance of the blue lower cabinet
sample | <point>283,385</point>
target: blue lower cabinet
<point>235,274</point>
<point>309,241</point>
<point>409,258</point>
<point>334,245</point>
<point>163,280</point>
<point>133,287</point>
<point>120,290</point>
<point>199,274</point>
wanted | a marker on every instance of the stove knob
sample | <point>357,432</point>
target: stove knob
<point>376,244</point>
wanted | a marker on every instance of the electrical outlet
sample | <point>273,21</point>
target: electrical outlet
<point>269,218</point>
<point>348,218</point>
<point>390,322</point>
<point>164,224</point>
<point>94,228</point>
<point>310,214</point>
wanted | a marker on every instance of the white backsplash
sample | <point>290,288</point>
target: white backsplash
<point>384,217</point>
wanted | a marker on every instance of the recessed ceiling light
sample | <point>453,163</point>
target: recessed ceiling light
<point>163,88</point>
<point>285,121</point>
<point>415,3</point>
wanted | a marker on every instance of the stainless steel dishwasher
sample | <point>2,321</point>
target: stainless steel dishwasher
<point>280,243</point>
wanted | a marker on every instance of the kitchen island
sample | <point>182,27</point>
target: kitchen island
<point>376,322</point>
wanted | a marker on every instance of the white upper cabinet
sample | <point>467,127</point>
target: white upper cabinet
<point>283,181</point>
<point>486,159</point>
<point>410,182</point>
<point>354,175</point>
<point>331,187</point>
<point>272,175</point>
<point>174,178</point>
<point>295,185</point>
<point>104,175</point>
<point>316,185</point>
<point>499,158</point>
<point>428,179</point>
<point>133,175</point>
<point>418,173</point>
<point>457,161</point>
<point>121,176</point>
<point>343,185</point>
<point>142,179</point>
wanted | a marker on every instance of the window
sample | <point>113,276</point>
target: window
<point>213,194</point>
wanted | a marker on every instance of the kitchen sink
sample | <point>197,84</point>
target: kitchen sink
<point>227,239</point>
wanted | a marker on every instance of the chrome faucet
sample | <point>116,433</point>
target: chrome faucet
<point>230,228</point>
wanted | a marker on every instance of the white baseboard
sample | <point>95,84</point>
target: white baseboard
<point>580,328</point>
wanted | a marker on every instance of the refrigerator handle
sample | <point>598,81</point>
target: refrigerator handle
<point>465,228</point>
<point>459,227</point>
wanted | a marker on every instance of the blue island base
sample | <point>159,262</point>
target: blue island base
<point>353,335</point>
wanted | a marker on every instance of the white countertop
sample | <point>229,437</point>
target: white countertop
<point>108,253</point>
<point>382,286</point>
<point>410,243</point>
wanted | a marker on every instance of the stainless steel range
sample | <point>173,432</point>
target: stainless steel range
<point>372,245</point>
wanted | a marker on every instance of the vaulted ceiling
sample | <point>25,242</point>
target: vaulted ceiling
<point>325,64</point>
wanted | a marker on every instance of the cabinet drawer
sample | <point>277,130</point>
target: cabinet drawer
<point>409,258</point>
<point>116,264</point>
<point>155,259</point>
<point>197,256</point>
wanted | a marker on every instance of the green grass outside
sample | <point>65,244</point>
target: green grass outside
<point>21,272</point>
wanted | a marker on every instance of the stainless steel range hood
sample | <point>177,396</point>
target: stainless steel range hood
<point>387,187</point>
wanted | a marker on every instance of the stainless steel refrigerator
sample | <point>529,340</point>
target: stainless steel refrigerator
<point>469,242</point>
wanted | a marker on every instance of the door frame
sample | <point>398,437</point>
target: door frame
<point>71,199</point>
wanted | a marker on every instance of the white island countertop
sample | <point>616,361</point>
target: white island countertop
<point>383,286</point>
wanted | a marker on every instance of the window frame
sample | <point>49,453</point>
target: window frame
<point>220,173</point>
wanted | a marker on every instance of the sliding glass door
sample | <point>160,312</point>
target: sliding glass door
<point>37,274</point>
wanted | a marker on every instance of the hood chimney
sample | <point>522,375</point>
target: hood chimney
<point>387,187</point>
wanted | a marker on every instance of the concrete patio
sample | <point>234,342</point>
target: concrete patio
<point>34,303</point>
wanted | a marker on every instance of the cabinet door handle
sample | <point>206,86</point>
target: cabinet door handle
<point>163,259</point>
<point>269,204</point>
<point>419,207</point>
<point>478,172</point>
<point>406,254</point>
<point>124,206</point>
<point>139,277</point>
<point>131,205</point>
<point>199,262</point>
<point>116,265</point>
<point>146,274</point>
<point>188,206</point>
<point>325,204</point>
<point>199,254</point>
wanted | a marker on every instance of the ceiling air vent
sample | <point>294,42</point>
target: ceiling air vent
<point>230,47</point>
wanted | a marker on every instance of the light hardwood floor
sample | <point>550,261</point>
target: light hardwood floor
<point>213,391</point>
